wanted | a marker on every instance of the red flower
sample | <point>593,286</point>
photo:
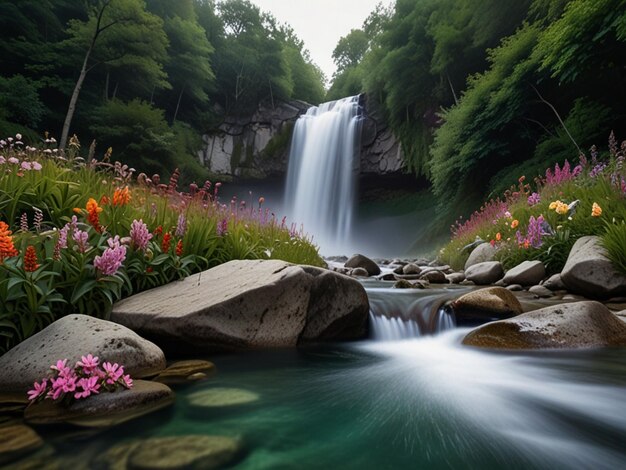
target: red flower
<point>165,244</point>
<point>30,259</point>
<point>179,248</point>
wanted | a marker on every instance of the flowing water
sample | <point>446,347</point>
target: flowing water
<point>323,161</point>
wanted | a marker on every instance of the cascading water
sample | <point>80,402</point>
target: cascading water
<point>320,191</point>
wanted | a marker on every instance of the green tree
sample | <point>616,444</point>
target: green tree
<point>350,49</point>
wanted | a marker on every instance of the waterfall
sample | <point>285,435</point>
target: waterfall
<point>323,160</point>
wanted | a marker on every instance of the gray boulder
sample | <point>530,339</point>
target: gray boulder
<point>72,337</point>
<point>541,291</point>
<point>585,324</point>
<point>359,272</point>
<point>486,304</point>
<point>455,278</point>
<point>247,305</point>
<point>554,282</point>
<point>482,253</point>
<point>360,261</point>
<point>589,272</point>
<point>436,277</point>
<point>411,269</point>
<point>484,273</point>
<point>527,273</point>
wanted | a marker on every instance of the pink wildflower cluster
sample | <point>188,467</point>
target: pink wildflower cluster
<point>112,259</point>
<point>534,199</point>
<point>491,212</point>
<point>86,378</point>
<point>139,235</point>
<point>561,175</point>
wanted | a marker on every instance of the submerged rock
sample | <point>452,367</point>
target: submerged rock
<point>17,440</point>
<point>541,291</point>
<point>360,261</point>
<point>585,324</point>
<point>411,269</point>
<point>70,338</point>
<point>248,304</point>
<point>589,272</point>
<point>359,272</point>
<point>436,277</point>
<point>484,273</point>
<point>105,409</point>
<point>486,304</point>
<point>182,371</point>
<point>218,397</point>
<point>527,273</point>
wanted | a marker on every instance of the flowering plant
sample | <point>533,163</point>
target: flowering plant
<point>88,377</point>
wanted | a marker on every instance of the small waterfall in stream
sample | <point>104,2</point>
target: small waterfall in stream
<point>323,160</point>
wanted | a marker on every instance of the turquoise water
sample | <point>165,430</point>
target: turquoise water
<point>423,403</point>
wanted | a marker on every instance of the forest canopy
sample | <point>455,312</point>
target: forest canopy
<point>147,74</point>
<point>482,92</point>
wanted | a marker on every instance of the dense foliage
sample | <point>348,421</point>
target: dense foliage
<point>475,89</point>
<point>147,69</point>
<point>541,219</point>
<point>77,235</point>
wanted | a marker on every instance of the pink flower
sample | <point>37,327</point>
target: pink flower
<point>113,372</point>
<point>38,390</point>
<point>82,240</point>
<point>139,234</point>
<point>61,366</point>
<point>112,259</point>
<point>13,160</point>
<point>89,385</point>
<point>36,166</point>
<point>127,381</point>
<point>26,166</point>
<point>88,363</point>
<point>58,386</point>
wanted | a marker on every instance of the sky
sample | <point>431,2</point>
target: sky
<point>321,23</point>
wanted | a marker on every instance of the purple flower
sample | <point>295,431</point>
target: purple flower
<point>89,386</point>
<point>112,259</point>
<point>534,199</point>
<point>38,390</point>
<point>181,227</point>
<point>38,219</point>
<point>113,372</point>
<point>222,227</point>
<point>13,160</point>
<point>26,166</point>
<point>82,240</point>
<point>36,166</point>
<point>24,222</point>
<point>139,234</point>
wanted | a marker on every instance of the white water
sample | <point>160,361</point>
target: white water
<point>320,191</point>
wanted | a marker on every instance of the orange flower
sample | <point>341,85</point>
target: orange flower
<point>498,236</point>
<point>165,244</point>
<point>93,209</point>
<point>104,200</point>
<point>30,259</point>
<point>179,248</point>
<point>596,210</point>
<point>514,224</point>
<point>121,196</point>
<point>7,249</point>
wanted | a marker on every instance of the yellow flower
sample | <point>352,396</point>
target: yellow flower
<point>596,210</point>
<point>553,204</point>
<point>514,224</point>
<point>562,208</point>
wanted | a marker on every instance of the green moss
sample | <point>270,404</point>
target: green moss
<point>279,144</point>
<point>235,159</point>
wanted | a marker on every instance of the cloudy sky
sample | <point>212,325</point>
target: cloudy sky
<point>320,23</point>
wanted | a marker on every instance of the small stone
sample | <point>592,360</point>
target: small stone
<point>436,277</point>
<point>541,292</point>
<point>514,288</point>
<point>482,253</point>
<point>16,441</point>
<point>411,269</point>
<point>485,273</point>
<point>554,282</point>
<point>399,270</point>
<point>387,277</point>
<point>218,397</point>
<point>197,377</point>
<point>181,371</point>
<point>360,261</point>
<point>486,304</point>
<point>359,272</point>
<point>455,278</point>
<point>527,273</point>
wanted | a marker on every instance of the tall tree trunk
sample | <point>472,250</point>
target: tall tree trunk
<point>73,100</point>
<point>180,97</point>
<point>115,90</point>
<point>106,86</point>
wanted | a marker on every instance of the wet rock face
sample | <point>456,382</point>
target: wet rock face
<point>72,337</point>
<point>247,305</point>
<point>589,272</point>
<point>485,304</point>
<point>585,324</point>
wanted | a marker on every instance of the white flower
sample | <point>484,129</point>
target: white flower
<point>18,136</point>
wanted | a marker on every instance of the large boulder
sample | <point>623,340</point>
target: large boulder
<point>527,273</point>
<point>70,338</point>
<point>248,304</point>
<point>105,409</point>
<point>589,272</point>
<point>361,261</point>
<point>486,304</point>
<point>484,273</point>
<point>585,324</point>
<point>482,253</point>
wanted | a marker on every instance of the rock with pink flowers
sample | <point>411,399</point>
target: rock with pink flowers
<point>71,338</point>
<point>248,305</point>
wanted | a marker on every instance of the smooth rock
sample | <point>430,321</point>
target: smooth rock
<point>406,284</point>
<point>411,269</point>
<point>359,272</point>
<point>585,324</point>
<point>246,305</point>
<point>485,273</point>
<point>70,338</point>
<point>482,253</point>
<point>181,371</point>
<point>436,277</point>
<point>17,440</point>
<point>455,278</point>
<point>399,270</point>
<point>218,397</point>
<point>106,408</point>
<point>589,272</point>
<point>527,273</point>
<point>621,315</point>
<point>515,287</point>
<point>554,282</point>
<point>361,261</point>
<point>486,304</point>
<point>541,291</point>
<point>387,277</point>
